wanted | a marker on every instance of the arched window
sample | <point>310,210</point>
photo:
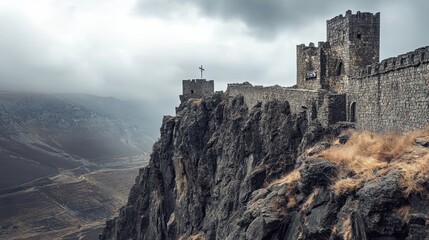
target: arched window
<point>192,91</point>
<point>353,112</point>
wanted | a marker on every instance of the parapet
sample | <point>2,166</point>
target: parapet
<point>359,15</point>
<point>410,59</point>
<point>320,45</point>
<point>245,84</point>
<point>197,81</point>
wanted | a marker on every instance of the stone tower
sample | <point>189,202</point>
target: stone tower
<point>196,88</point>
<point>311,65</point>
<point>353,42</point>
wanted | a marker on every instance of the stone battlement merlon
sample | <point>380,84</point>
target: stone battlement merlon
<point>342,28</point>
<point>247,86</point>
<point>357,15</point>
<point>196,80</point>
<point>410,59</point>
<point>320,44</point>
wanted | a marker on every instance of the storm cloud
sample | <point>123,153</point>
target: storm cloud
<point>142,49</point>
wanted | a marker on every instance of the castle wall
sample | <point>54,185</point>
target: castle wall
<point>342,80</point>
<point>335,107</point>
<point>316,103</point>
<point>393,95</point>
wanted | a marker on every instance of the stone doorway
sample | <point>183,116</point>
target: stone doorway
<point>353,112</point>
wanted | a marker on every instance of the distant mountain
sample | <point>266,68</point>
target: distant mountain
<point>42,135</point>
<point>67,162</point>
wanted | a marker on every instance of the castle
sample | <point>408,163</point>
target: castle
<point>342,80</point>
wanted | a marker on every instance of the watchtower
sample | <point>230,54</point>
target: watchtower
<point>311,65</point>
<point>196,88</point>
<point>353,42</point>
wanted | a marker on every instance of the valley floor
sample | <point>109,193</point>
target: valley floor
<point>68,205</point>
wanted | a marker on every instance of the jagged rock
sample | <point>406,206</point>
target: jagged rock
<point>262,226</point>
<point>419,227</point>
<point>313,134</point>
<point>320,216</point>
<point>319,147</point>
<point>343,139</point>
<point>316,173</point>
<point>385,224</point>
<point>381,194</point>
<point>423,142</point>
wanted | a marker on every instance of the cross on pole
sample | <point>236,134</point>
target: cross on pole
<point>202,70</point>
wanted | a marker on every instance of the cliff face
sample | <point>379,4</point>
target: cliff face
<point>223,171</point>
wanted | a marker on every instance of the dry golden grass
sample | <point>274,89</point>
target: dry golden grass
<point>346,184</point>
<point>281,205</point>
<point>414,174</point>
<point>310,199</point>
<point>196,101</point>
<point>198,236</point>
<point>334,230</point>
<point>368,155</point>
<point>346,229</point>
<point>404,212</point>
<point>286,179</point>
<point>291,203</point>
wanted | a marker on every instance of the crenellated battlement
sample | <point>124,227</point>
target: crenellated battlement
<point>312,45</point>
<point>410,59</point>
<point>358,15</point>
<point>197,81</point>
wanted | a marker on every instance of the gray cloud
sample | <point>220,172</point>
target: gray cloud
<point>264,18</point>
<point>99,62</point>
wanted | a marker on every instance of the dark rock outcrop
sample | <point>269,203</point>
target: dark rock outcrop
<point>223,171</point>
<point>423,142</point>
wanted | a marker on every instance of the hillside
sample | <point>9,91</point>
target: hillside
<point>67,161</point>
<point>223,171</point>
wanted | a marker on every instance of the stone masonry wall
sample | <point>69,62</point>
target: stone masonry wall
<point>393,95</point>
<point>316,103</point>
<point>196,88</point>
<point>311,65</point>
<point>355,43</point>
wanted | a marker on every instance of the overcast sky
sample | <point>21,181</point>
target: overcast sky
<point>142,49</point>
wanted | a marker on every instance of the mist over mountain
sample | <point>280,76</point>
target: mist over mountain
<point>67,160</point>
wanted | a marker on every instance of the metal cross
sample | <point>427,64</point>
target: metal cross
<point>202,70</point>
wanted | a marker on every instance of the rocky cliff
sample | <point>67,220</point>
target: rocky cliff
<point>223,171</point>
